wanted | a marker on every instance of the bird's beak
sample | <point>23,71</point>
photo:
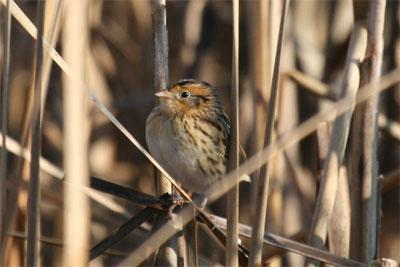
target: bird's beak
<point>164,94</point>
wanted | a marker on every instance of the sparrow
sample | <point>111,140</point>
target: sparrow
<point>188,134</point>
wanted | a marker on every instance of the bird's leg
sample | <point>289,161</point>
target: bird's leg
<point>175,201</point>
<point>179,201</point>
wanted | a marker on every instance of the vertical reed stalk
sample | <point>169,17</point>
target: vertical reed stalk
<point>52,30</point>
<point>339,224</point>
<point>160,35</point>
<point>369,192</point>
<point>263,181</point>
<point>337,145</point>
<point>76,204</point>
<point>167,254</point>
<point>32,254</point>
<point>233,195</point>
<point>47,62</point>
<point>4,130</point>
<point>360,10</point>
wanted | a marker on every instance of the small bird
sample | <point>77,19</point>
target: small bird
<point>188,134</point>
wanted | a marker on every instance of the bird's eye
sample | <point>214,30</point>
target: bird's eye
<point>185,95</point>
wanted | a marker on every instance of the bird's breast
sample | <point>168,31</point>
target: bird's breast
<point>191,150</point>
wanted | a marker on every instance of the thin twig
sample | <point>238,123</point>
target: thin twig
<point>32,253</point>
<point>263,180</point>
<point>329,180</point>
<point>4,126</point>
<point>231,257</point>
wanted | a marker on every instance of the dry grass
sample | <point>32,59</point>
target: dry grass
<point>117,74</point>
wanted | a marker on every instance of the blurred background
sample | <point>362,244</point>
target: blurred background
<point>120,71</point>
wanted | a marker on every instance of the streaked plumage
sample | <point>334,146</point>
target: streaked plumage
<point>188,134</point>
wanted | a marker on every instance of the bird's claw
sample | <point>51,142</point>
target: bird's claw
<point>174,201</point>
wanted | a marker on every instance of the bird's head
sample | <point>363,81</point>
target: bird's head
<point>190,97</point>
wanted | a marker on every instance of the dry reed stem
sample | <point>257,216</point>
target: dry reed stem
<point>167,254</point>
<point>32,252</point>
<point>304,129</point>
<point>14,147</point>
<point>313,85</point>
<point>263,180</point>
<point>390,126</point>
<point>55,242</point>
<point>115,236</point>
<point>284,142</point>
<point>384,262</point>
<point>360,14</point>
<point>291,245</point>
<point>58,173</point>
<point>4,130</point>
<point>52,25</point>
<point>160,35</point>
<point>340,222</point>
<point>31,29</point>
<point>159,237</point>
<point>251,28</point>
<point>182,252</point>
<point>53,28</point>
<point>370,194</point>
<point>21,165</point>
<point>159,17</point>
<point>261,72</point>
<point>231,257</point>
<point>390,180</point>
<point>288,139</point>
<point>76,204</point>
<point>295,178</point>
<point>329,180</point>
<point>273,251</point>
<point>192,31</point>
